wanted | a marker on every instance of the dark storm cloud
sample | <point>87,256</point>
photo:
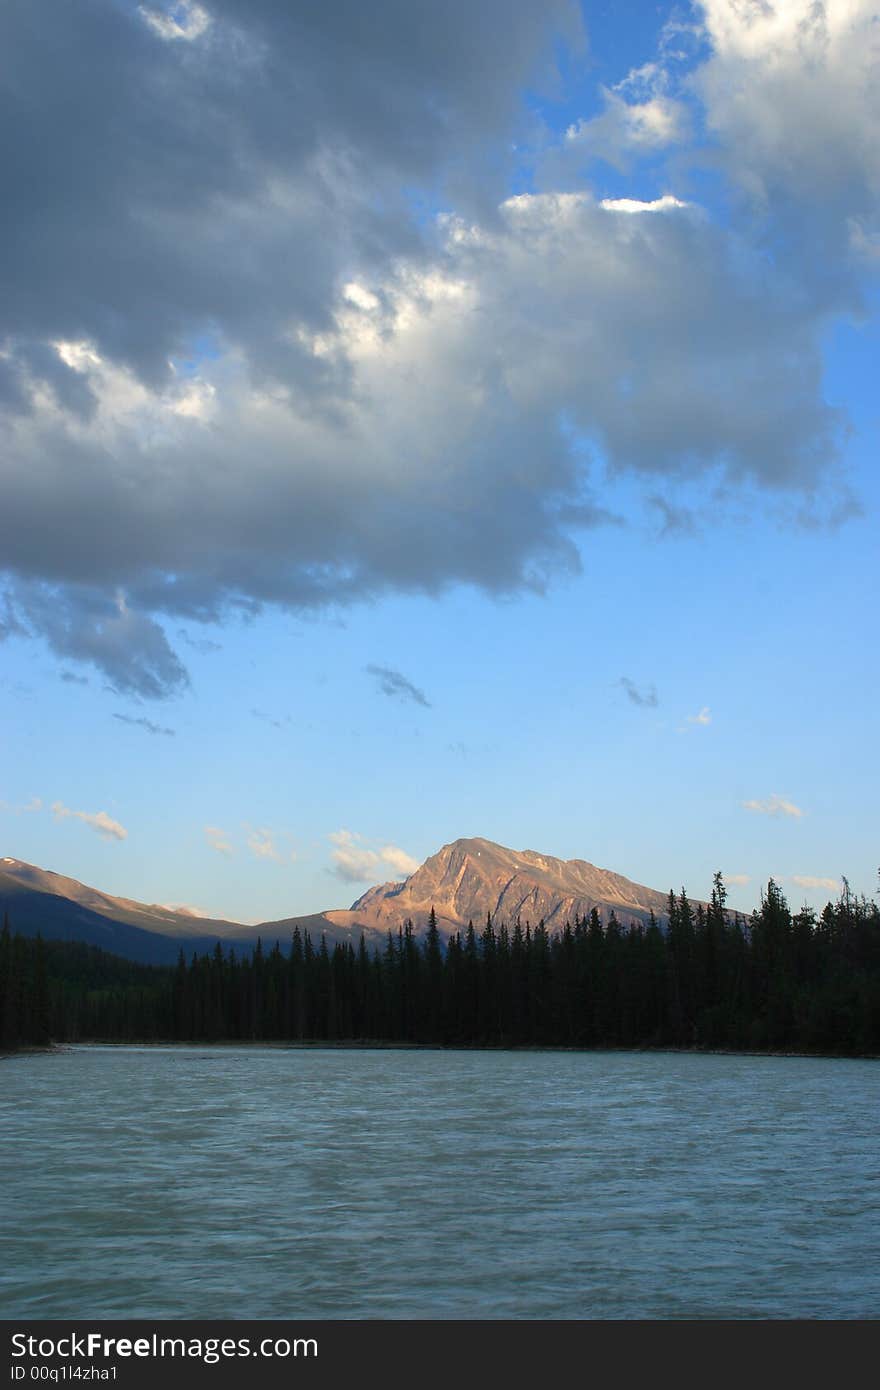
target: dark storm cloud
<point>392,683</point>
<point>645,696</point>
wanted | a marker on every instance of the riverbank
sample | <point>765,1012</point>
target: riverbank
<point>377,1045</point>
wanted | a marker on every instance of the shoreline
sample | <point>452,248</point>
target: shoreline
<point>374,1045</point>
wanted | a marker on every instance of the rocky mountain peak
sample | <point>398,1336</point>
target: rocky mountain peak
<point>471,877</point>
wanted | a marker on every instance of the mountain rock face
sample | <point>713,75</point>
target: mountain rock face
<point>469,878</point>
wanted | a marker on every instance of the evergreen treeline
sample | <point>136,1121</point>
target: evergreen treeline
<point>708,979</point>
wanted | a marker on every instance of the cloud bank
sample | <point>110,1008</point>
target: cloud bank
<point>275,331</point>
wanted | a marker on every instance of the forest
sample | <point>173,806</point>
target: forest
<point>704,978</point>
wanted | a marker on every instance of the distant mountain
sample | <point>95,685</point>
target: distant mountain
<point>462,882</point>
<point>55,918</point>
<point>63,909</point>
<point>166,921</point>
<point>470,878</point>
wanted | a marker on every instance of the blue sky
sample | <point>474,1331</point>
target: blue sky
<point>493,455</point>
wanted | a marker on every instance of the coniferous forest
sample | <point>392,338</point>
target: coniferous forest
<point>706,978</point>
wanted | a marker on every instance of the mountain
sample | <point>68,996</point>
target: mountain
<point>462,882</point>
<point>32,912</point>
<point>63,909</point>
<point>167,921</point>
<point>469,878</point>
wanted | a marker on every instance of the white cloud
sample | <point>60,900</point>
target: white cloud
<point>774,806</point>
<point>738,880</point>
<point>263,843</point>
<point>627,129</point>
<point>704,717</point>
<point>99,821</point>
<point>195,400</point>
<point>398,859</point>
<point>351,861</point>
<point>791,98</point>
<point>185,909</point>
<point>663,204</point>
<point>218,840</point>
<point>183,20</point>
<point>355,862</point>
<point>809,881</point>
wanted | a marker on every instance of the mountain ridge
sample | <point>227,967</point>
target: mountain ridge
<point>466,880</point>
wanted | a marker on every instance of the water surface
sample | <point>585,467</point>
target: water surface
<point>232,1182</point>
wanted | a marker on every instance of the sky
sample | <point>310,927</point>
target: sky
<point>429,421</point>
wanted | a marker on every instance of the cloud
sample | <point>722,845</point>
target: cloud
<point>703,718</point>
<point>640,118</point>
<point>128,647</point>
<point>774,806</point>
<point>399,860</point>
<point>808,881</point>
<point>147,724</point>
<point>71,678</point>
<point>185,909</point>
<point>635,205</point>
<point>739,880</point>
<point>355,862</point>
<point>219,840</point>
<point>263,844</point>
<point>203,645</point>
<point>675,520</point>
<point>351,862</point>
<point>99,821</point>
<point>240,366</point>
<point>790,98</point>
<point>391,682</point>
<point>189,22</point>
<point>645,697</point>
<point>9,624</point>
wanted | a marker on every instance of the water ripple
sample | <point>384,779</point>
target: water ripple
<point>279,1183</point>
